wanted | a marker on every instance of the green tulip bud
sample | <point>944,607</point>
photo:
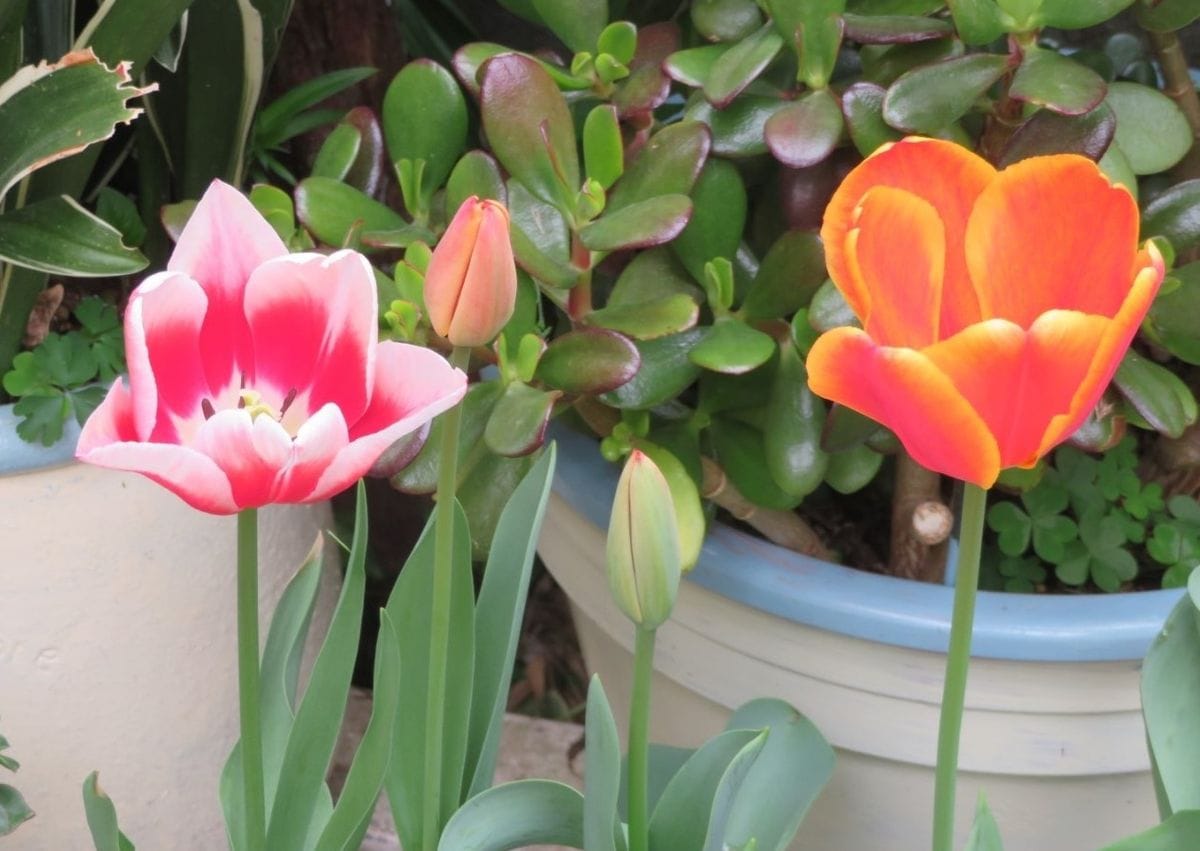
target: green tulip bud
<point>643,544</point>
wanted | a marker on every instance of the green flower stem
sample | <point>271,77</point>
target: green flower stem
<point>639,722</point>
<point>966,582</point>
<point>248,677</point>
<point>439,639</point>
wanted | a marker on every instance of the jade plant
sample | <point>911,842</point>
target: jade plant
<point>667,176</point>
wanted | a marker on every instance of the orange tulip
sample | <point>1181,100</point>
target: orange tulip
<point>995,306</point>
<point>471,282</point>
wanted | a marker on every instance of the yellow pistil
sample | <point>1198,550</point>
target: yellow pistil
<point>251,401</point>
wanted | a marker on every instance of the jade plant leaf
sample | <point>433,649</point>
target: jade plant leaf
<point>1174,318</point>
<point>787,278</point>
<point>516,815</point>
<point>862,107</point>
<point>1151,130</point>
<point>529,128</point>
<point>1167,16</point>
<point>1175,214</point>
<point>60,237</point>
<point>928,98</point>
<point>652,275</point>
<point>648,319</point>
<point>792,429</point>
<point>577,22</point>
<point>805,132</point>
<point>1068,15</point>
<point>692,66</point>
<point>726,20</point>
<point>737,130</point>
<point>518,423</point>
<point>733,347</point>
<point>1160,396</point>
<point>335,213</point>
<point>602,772</point>
<point>737,67</point>
<point>895,29</point>
<point>977,21</point>
<point>1049,132</point>
<point>539,237</point>
<point>1047,78</point>
<point>337,153</point>
<point>420,477</point>
<point>668,164</point>
<point>813,29</point>
<point>647,86</point>
<point>589,360</point>
<point>853,469</point>
<point>639,225</point>
<point>718,217</point>
<point>468,62</point>
<point>476,173</point>
<point>664,372</point>
<point>94,96</point>
<point>424,121</point>
<point>741,452</point>
<point>883,64</point>
<point>603,150</point>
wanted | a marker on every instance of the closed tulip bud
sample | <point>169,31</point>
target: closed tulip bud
<point>471,283</point>
<point>643,544</point>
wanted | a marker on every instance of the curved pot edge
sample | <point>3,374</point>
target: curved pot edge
<point>901,612</point>
<point>19,456</point>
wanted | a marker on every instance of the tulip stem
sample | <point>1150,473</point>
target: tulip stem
<point>639,720</point>
<point>966,583</point>
<point>439,639</point>
<point>248,677</point>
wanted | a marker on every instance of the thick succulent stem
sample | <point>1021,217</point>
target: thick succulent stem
<point>909,555</point>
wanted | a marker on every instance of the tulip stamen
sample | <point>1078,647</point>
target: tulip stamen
<point>206,407</point>
<point>287,402</point>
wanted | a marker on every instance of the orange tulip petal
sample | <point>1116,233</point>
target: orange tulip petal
<point>1019,381</point>
<point>902,389</point>
<point>944,174</point>
<point>1051,233</point>
<point>895,257</point>
<point>1112,345</point>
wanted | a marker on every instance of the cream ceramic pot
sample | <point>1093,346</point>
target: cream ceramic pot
<point>1052,733</point>
<point>117,644</point>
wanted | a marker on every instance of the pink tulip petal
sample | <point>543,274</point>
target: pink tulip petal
<point>313,321</point>
<point>449,263</point>
<point>223,242</point>
<point>108,441</point>
<point>412,386</point>
<point>232,441</point>
<point>162,334</point>
<point>318,445</point>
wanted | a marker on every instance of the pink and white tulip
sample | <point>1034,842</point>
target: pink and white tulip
<point>257,377</point>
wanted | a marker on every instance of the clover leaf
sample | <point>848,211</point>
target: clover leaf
<point>1099,554</point>
<point>1175,541</point>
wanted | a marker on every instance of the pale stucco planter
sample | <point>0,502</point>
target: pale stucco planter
<point>117,643</point>
<point>1052,734</point>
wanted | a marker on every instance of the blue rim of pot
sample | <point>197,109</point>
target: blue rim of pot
<point>885,609</point>
<point>19,456</point>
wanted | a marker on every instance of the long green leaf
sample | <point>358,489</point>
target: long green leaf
<point>319,719</point>
<point>498,617</point>
<point>60,237</point>
<point>89,99</point>
<point>985,833</point>
<point>1181,832</point>
<point>102,817</point>
<point>221,93</point>
<point>675,822</point>
<point>409,609</point>
<point>131,30</point>
<point>513,815</point>
<point>726,794</point>
<point>271,126</point>
<point>369,768</point>
<point>1171,704</point>
<point>793,767</point>
<point>602,774</point>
